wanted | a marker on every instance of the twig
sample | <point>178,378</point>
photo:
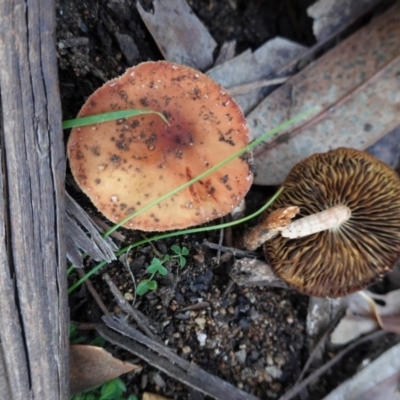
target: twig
<point>94,293</point>
<point>105,227</point>
<point>127,308</point>
<point>85,326</point>
<point>317,373</point>
<point>228,288</point>
<point>319,345</point>
<point>231,250</point>
<point>164,359</point>
<point>194,307</point>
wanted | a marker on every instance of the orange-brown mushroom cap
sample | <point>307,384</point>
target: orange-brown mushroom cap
<point>343,260</point>
<point>123,165</point>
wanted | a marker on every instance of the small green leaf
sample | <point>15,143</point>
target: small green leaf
<point>143,287</point>
<point>72,330</point>
<point>176,249</point>
<point>132,397</point>
<point>152,285</point>
<point>185,251</point>
<point>110,391</point>
<point>155,265</point>
<point>121,385</point>
<point>99,342</point>
<point>182,261</point>
<point>162,270</point>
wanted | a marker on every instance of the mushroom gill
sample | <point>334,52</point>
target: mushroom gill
<point>350,257</point>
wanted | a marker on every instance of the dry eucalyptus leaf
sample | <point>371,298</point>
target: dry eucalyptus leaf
<point>387,310</point>
<point>355,87</point>
<point>379,380</point>
<point>367,312</point>
<point>179,34</point>
<point>250,67</point>
<point>91,366</point>
<point>329,16</point>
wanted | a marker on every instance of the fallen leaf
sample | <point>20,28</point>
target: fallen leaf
<point>179,34</point>
<point>356,90</point>
<point>378,381</point>
<point>387,310</point>
<point>387,149</point>
<point>91,366</point>
<point>366,312</point>
<point>251,67</point>
<point>329,16</point>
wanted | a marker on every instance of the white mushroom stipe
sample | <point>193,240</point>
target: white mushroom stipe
<point>332,218</point>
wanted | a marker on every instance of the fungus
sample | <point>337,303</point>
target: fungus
<point>124,165</point>
<point>355,247</point>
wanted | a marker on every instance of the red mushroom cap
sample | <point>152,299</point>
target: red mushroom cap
<point>124,165</point>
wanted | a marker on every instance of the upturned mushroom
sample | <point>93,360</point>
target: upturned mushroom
<point>346,235</point>
<point>124,165</point>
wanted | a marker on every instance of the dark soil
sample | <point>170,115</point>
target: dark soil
<point>251,337</point>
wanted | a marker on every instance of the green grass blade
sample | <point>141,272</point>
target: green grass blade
<point>172,234</point>
<point>209,171</point>
<point>110,116</point>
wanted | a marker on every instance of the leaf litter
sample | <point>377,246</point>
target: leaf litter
<point>294,53</point>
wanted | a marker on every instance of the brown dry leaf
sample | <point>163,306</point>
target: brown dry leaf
<point>91,366</point>
<point>153,396</point>
<point>179,34</point>
<point>356,88</point>
<point>367,312</point>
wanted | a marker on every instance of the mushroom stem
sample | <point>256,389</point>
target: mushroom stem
<point>332,218</point>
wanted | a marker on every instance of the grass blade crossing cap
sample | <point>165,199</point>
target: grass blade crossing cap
<point>125,164</point>
<point>354,254</point>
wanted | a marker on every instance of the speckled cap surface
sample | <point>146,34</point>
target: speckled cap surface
<point>125,164</point>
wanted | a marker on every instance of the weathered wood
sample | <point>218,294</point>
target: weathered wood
<point>164,359</point>
<point>33,296</point>
<point>88,238</point>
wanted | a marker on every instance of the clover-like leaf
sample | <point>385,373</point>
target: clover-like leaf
<point>143,287</point>
<point>155,265</point>
<point>152,285</point>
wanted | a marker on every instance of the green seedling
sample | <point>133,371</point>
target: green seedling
<point>180,254</point>
<point>157,267</point>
